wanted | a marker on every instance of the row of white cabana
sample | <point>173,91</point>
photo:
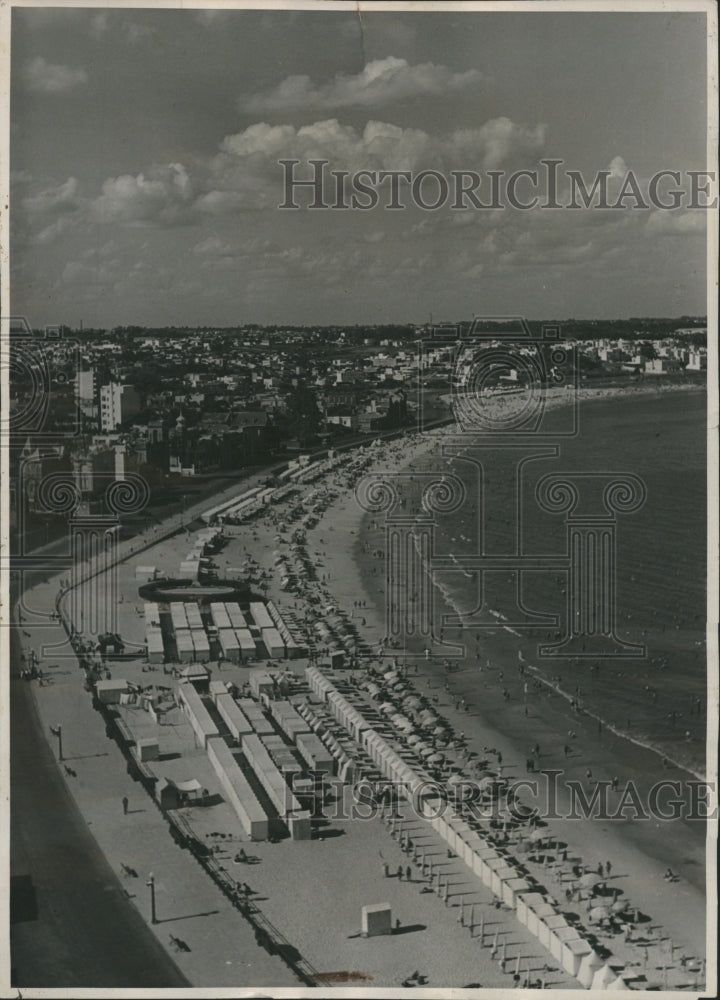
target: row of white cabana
<point>534,911</point>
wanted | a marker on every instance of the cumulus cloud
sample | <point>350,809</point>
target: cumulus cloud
<point>57,200</point>
<point>213,246</point>
<point>677,223</point>
<point>43,77</point>
<point>382,81</point>
<point>163,196</point>
<point>380,145</point>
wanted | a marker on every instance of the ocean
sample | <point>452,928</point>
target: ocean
<point>659,699</point>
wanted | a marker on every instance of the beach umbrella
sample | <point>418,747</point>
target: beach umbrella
<point>412,701</point>
<point>589,880</point>
<point>436,758</point>
<point>599,913</point>
<point>387,706</point>
<point>619,906</point>
<point>536,836</point>
<point>439,731</point>
<point>413,739</point>
<point>427,752</point>
<point>523,812</point>
<point>454,779</point>
<point>390,675</point>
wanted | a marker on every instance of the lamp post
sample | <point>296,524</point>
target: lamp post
<point>151,884</point>
<point>57,731</point>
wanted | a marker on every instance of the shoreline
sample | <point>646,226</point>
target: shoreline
<point>678,844</point>
<point>447,601</point>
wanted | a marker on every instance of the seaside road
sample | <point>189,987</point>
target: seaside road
<point>71,923</point>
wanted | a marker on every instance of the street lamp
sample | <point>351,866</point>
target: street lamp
<point>57,731</point>
<point>151,883</point>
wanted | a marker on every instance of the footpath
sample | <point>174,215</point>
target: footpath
<point>208,938</point>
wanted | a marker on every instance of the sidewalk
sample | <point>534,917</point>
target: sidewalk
<point>221,947</point>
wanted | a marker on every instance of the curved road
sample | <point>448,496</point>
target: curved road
<point>71,922</point>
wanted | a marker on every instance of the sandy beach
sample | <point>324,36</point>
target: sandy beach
<point>642,851</point>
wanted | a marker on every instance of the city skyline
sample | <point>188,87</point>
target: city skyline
<point>145,149</point>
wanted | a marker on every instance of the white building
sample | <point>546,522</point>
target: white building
<point>697,361</point>
<point>118,402</point>
<point>86,392</point>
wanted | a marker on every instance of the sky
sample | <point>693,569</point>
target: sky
<point>145,176</point>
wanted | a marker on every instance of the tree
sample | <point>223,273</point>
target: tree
<point>304,412</point>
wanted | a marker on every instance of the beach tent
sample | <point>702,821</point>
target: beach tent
<point>589,965</point>
<point>589,880</point>
<point>500,877</point>
<point>490,866</point>
<point>603,977</point>
<point>543,911</point>
<point>525,904</point>
<point>618,984</point>
<point>548,925</point>
<point>574,950</point>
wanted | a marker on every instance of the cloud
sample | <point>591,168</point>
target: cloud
<point>382,81</point>
<point>53,211</point>
<point>380,145</point>
<point>54,200</point>
<point>213,246</point>
<point>676,223</point>
<point>43,77</point>
<point>164,196</point>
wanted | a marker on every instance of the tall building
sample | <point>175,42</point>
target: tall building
<point>118,403</point>
<point>86,392</point>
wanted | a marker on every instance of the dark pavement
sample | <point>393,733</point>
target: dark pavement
<point>71,921</point>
